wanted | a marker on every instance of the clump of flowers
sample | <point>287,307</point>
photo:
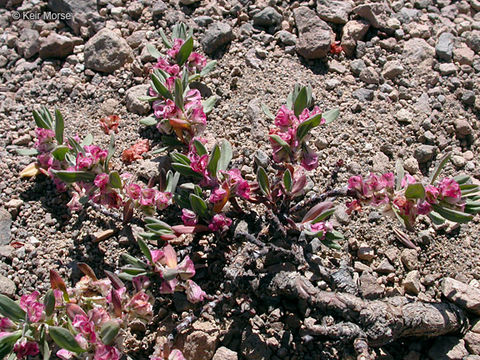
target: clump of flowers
<point>87,321</point>
<point>450,198</point>
<point>110,124</point>
<point>177,109</point>
<point>163,264</point>
<point>293,123</point>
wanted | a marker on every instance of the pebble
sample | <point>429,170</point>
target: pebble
<point>365,252</point>
<point>217,35</point>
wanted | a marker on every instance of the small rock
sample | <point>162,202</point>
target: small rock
<point>448,348</point>
<point>473,40</point>
<point>369,76</point>
<point>353,31</point>
<point>28,44</point>
<point>22,140</point>
<point>83,14</point>
<point>459,161</point>
<point>416,50</point>
<point>463,55</point>
<point>261,158</point>
<point>363,94</point>
<point>380,163</point>
<point>254,347</point>
<point>404,116</point>
<point>374,13</point>
<point>107,52</point>
<point>134,104</point>
<point>447,69</point>
<point>267,17</point>
<point>56,46</point>
<point>412,284</point>
<point>392,69</point>
<point>188,2</point>
<point>7,286</point>
<point>5,224</point>
<point>409,258</point>
<point>224,353</point>
<point>424,153</point>
<point>357,66</point>
<point>472,341</point>
<point>341,214</point>
<point>385,267</point>
<point>334,11</point>
<point>314,34</point>
<point>462,127</point>
<point>444,47</point>
<point>462,294</point>
<point>159,8</point>
<point>365,252</point>
<point>103,235</point>
<point>369,287</point>
<point>252,60</point>
<point>468,97</point>
<point>217,35</point>
<point>286,38</point>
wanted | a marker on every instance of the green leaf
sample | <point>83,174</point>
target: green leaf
<point>287,180</point>
<point>145,250</point>
<point>7,342</point>
<point>331,244</point>
<point>45,348</point>
<point>441,164</point>
<point>60,152</point>
<point>185,51</point>
<point>160,88</point>
<point>64,339</point>
<point>165,40</point>
<point>213,161</point>
<point>415,191</point>
<point>462,179</point>
<point>194,77</point>
<point>40,121</point>
<point>399,173</point>
<point>179,94</point>
<point>263,182</point>
<point>109,331</point>
<point>180,158</point>
<point>88,140</point>
<point>301,102</point>
<point>324,215</point>
<point>452,215</point>
<point>26,152</point>
<point>199,147</point>
<point>316,210</point>
<point>134,261</point>
<point>115,180</point>
<point>209,104</point>
<point>74,176</point>
<point>59,126</point>
<point>280,141</point>
<point>334,235</point>
<point>208,68</point>
<point>77,148</point>
<point>267,111</point>
<point>149,121</point>
<point>305,127</point>
<point>330,115</point>
<point>152,50</point>
<point>172,181</point>
<point>49,302</point>
<point>47,115</point>
<point>111,151</point>
<point>198,205</point>
<point>185,170</point>
<point>11,309</point>
<point>226,155</point>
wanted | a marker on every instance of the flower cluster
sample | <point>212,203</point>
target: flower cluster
<point>409,200</point>
<point>88,319</point>
<point>286,129</point>
<point>195,62</point>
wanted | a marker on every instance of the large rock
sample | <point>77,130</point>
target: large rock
<point>375,14</point>
<point>335,11</point>
<point>83,13</point>
<point>107,52</point>
<point>444,46</point>
<point>448,348</point>
<point>217,35</point>
<point>224,353</point>
<point>353,31</point>
<point>5,225</point>
<point>56,46</point>
<point>462,294</point>
<point>28,44</point>
<point>201,342</point>
<point>134,104</point>
<point>314,34</point>
<point>7,286</point>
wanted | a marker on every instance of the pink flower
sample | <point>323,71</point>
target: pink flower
<point>199,164</point>
<point>388,180</point>
<point>5,324</point>
<point>431,194</point>
<point>74,203</point>
<point>424,208</point>
<point>45,160</point>
<point>162,199</point>
<point>450,190</point>
<point>142,282</point>
<point>140,305</point>
<point>101,180</point>
<point>86,327</point>
<point>164,109</point>
<point>193,96</point>
<point>177,44</point>
<point>176,355</point>
<point>83,162</point>
<point>26,348</point>
<point>64,354</point>
<point>219,223</point>
<point>186,268</point>
<point>407,180</point>
<point>32,307</point>
<point>238,184</point>
<point>309,159</point>
<point>148,197</point>
<point>196,62</point>
<point>98,316</point>
<point>194,293</point>
<point>356,183</point>
<point>217,195</point>
<point>45,139</point>
<point>285,117</point>
<point>134,191</point>
<point>189,218</point>
<point>106,352</point>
